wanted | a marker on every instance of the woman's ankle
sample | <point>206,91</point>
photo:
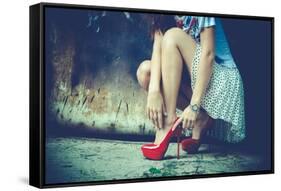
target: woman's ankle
<point>196,133</point>
<point>169,120</point>
<point>199,126</point>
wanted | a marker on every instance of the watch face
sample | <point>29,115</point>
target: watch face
<point>194,107</point>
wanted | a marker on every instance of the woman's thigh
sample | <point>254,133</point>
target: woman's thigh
<point>184,42</point>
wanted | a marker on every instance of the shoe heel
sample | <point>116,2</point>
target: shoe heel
<point>177,133</point>
<point>178,147</point>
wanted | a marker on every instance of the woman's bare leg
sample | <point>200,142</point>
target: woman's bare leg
<point>143,76</point>
<point>176,45</point>
<point>200,124</point>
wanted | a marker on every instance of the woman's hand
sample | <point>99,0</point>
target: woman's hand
<point>188,117</point>
<point>155,108</point>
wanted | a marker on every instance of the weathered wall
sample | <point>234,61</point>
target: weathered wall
<point>92,59</point>
<point>114,103</point>
<point>92,71</point>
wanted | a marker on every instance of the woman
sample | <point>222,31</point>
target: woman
<point>216,90</point>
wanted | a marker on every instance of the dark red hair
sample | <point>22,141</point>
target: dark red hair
<point>159,22</point>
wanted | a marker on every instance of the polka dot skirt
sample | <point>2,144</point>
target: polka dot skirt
<point>223,100</point>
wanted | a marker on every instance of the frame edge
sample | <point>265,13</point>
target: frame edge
<point>35,128</point>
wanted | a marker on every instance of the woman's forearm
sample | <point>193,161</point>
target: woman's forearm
<point>155,73</point>
<point>205,69</point>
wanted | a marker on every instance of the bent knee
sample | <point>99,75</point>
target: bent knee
<point>174,36</point>
<point>144,68</point>
<point>143,74</point>
<point>173,31</point>
<point>171,35</point>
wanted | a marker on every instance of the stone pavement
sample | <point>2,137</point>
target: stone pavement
<point>90,159</point>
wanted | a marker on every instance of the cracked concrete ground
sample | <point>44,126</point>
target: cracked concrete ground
<point>90,159</point>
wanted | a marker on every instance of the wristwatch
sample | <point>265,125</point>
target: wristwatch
<point>195,107</point>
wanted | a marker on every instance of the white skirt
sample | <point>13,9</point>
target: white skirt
<point>223,100</point>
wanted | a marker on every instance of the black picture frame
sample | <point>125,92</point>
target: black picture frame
<point>37,95</point>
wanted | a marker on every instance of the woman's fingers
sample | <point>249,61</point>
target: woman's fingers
<point>164,110</point>
<point>155,108</point>
<point>160,119</point>
<point>152,115</point>
<point>187,123</point>
<point>155,118</point>
<point>191,124</point>
<point>184,123</point>
<point>148,113</point>
<point>188,118</point>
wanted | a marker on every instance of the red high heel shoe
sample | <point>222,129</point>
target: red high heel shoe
<point>190,145</point>
<point>157,151</point>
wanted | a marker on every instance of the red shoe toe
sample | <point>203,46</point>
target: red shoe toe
<point>190,145</point>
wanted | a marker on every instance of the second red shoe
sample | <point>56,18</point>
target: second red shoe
<point>190,145</point>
